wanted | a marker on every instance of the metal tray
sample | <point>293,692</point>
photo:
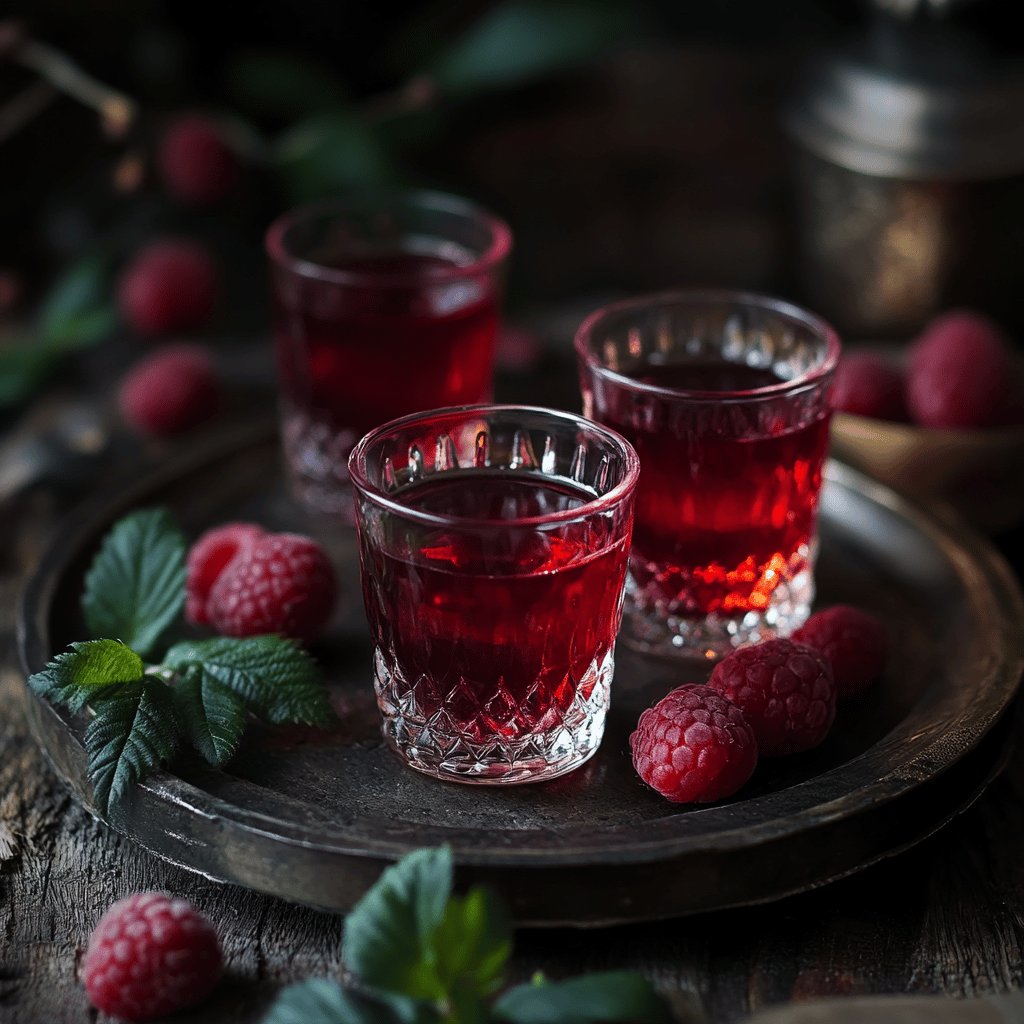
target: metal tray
<point>314,816</point>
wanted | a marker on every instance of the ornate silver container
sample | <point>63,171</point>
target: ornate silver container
<point>909,170</point>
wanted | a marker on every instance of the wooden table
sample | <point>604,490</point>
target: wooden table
<point>948,917</point>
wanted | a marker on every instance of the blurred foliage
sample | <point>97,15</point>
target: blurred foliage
<point>341,144</point>
<point>329,152</point>
<point>280,84</point>
<point>521,40</point>
<point>79,309</point>
<point>294,121</point>
<point>77,312</point>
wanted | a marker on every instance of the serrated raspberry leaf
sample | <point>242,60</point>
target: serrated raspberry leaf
<point>134,731</point>
<point>212,716</point>
<point>606,998</point>
<point>135,587</point>
<point>320,1001</point>
<point>74,677</point>
<point>275,677</point>
<point>388,941</point>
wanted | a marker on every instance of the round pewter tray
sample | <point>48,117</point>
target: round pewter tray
<point>314,816</point>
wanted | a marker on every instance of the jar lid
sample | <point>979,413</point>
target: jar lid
<point>908,122</point>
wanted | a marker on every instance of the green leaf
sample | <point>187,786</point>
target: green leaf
<point>388,938</point>
<point>134,732</point>
<point>79,308</point>
<point>136,585</point>
<point>24,365</point>
<point>273,675</point>
<point>329,152</point>
<point>73,677</point>
<point>467,1005</point>
<point>320,1001</point>
<point>212,716</point>
<point>78,311</point>
<point>283,84</point>
<point>589,999</point>
<point>473,943</point>
<point>520,40</point>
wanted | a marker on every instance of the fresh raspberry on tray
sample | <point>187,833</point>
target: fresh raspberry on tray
<point>785,690</point>
<point>854,642</point>
<point>694,746</point>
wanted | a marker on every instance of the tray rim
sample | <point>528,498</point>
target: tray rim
<point>936,754</point>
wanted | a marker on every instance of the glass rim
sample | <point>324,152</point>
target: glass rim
<point>498,249</point>
<point>608,500</point>
<point>711,296</point>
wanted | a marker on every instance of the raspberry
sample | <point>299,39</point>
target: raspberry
<point>208,558</point>
<point>12,289</point>
<point>694,746</point>
<point>151,955</point>
<point>282,583</point>
<point>195,163</point>
<point>517,349</point>
<point>170,285</point>
<point>868,384</point>
<point>170,391</point>
<point>785,690</point>
<point>960,373</point>
<point>854,643</point>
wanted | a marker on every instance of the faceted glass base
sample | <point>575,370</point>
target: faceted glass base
<point>316,456</point>
<point>429,740</point>
<point>649,629</point>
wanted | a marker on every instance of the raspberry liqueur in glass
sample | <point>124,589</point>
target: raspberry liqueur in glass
<point>383,303</point>
<point>493,547</point>
<point>725,397</point>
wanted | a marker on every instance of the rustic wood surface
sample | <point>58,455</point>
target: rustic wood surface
<point>948,917</point>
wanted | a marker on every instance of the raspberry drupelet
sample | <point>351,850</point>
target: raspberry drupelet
<point>170,285</point>
<point>244,581</point>
<point>854,642</point>
<point>170,391</point>
<point>195,163</point>
<point>694,746</point>
<point>960,373</point>
<point>208,557</point>
<point>151,955</point>
<point>868,384</point>
<point>785,690</point>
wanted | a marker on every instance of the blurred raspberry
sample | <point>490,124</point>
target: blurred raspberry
<point>785,691</point>
<point>868,384</point>
<point>12,36</point>
<point>173,390</point>
<point>195,163</point>
<point>854,642</point>
<point>11,290</point>
<point>170,285</point>
<point>149,956</point>
<point>694,746</point>
<point>282,583</point>
<point>211,554</point>
<point>517,349</point>
<point>960,373</point>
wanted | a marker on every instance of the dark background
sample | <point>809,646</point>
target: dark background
<point>653,155</point>
<point>658,160</point>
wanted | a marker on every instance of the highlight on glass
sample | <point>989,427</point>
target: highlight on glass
<point>725,397</point>
<point>384,302</point>
<point>493,547</point>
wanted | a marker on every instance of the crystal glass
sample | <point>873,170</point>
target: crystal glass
<point>493,545</point>
<point>384,302</point>
<point>726,398</point>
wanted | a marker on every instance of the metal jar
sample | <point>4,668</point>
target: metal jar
<point>909,172</point>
